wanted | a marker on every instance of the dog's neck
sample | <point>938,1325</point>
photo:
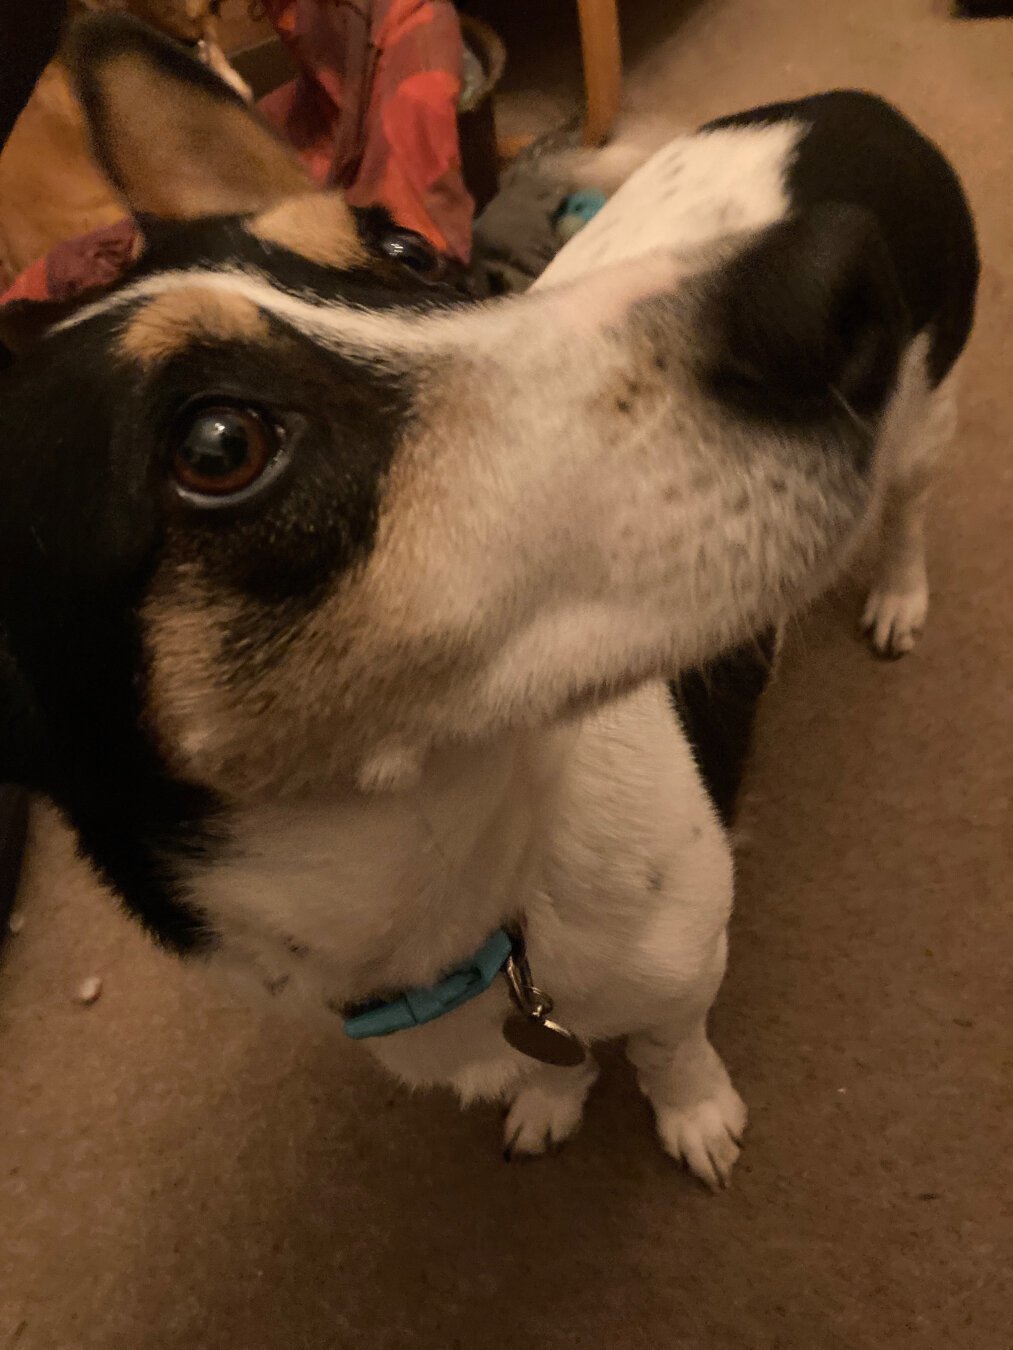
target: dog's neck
<point>381,891</point>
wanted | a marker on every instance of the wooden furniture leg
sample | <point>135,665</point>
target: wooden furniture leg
<point>603,66</point>
<point>603,75</point>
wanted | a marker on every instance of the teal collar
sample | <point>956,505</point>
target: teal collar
<point>418,1006</point>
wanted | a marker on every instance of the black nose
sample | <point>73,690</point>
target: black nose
<point>807,320</point>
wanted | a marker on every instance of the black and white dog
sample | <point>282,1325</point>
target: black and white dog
<point>336,614</point>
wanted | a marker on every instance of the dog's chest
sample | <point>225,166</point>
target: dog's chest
<point>598,837</point>
<point>335,900</point>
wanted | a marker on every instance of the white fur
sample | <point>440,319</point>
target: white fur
<point>562,547</point>
<point>635,138</point>
<point>384,335</point>
<point>697,189</point>
<point>598,834</point>
<point>920,427</point>
<point>708,183</point>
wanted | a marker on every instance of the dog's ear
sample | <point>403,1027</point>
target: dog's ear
<point>808,315</point>
<point>175,140</point>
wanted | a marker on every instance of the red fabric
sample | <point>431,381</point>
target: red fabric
<point>76,265</point>
<point>373,111</point>
<point>32,284</point>
<point>374,107</point>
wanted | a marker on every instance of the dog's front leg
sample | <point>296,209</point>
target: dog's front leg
<point>547,1108</point>
<point>699,1115</point>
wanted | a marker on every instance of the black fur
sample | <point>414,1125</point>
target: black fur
<point>807,322</point>
<point>223,241</point>
<point>89,520</point>
<point>859,151</point>
<point>13,829</point>
<point>340,421</point>
<point>983,9</point>
<point>716,705</point>
<point>72,572</point>
<point>89,515</point>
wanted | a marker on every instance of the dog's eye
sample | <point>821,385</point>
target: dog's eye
<point>412,251</point>
<point>222,451</point>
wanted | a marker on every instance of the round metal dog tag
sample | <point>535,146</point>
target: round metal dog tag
<point>529,1028</point>
<point>542,1039</point>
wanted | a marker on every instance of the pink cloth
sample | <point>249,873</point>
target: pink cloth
<point>374,107</point>
<point>373,111</point>
<point>77,265</point>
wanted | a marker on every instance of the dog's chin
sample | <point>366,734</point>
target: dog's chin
<point>398,766</point>
<point>390,768</point>
<point>598,694</point>
<point>319,764</point>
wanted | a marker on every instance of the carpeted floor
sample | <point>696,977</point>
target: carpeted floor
<point>177,1175</point>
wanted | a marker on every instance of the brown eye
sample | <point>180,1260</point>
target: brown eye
<point>222,451</point>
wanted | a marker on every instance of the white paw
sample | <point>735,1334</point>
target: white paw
<point>894,619</point>
<point>706,1135</point>
<point>543,1117</point>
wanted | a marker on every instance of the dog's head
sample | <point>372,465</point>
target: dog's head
<point>282,512</point>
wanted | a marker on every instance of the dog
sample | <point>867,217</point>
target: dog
<point>50,187</point>
<point>339,614</point>
<point>855,149</point>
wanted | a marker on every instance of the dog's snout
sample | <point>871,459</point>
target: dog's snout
<point>605,298</point>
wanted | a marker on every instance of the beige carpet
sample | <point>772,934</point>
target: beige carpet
<point>175,1173</point>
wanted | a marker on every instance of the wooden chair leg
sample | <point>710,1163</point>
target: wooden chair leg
<point>603,66</point>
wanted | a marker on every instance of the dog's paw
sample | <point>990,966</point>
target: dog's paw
<point>546,1111</point>
<point>894,619</point>
<point>706,1135</point>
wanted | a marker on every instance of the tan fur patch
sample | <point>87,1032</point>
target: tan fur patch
<point>49,187</point>
<point>184,702</point>
<point>209,157</point>
<point>170,322</point>
<point>317,225</point>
